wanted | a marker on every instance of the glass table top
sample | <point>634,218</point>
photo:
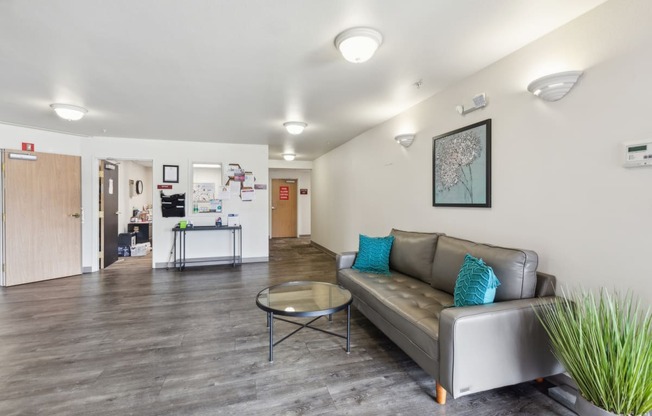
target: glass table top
<point>303,299</point>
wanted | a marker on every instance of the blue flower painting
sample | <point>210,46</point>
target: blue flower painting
<point>461,167</point>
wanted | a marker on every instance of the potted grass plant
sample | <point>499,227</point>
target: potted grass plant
<point>605,343</point>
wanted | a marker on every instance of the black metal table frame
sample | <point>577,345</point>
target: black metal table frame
<point>180,263</point>
<point>271,315</point>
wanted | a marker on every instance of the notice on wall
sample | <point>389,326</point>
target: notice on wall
<point>110,186</point>
<point>216,205</point>
<point>248,194</point>
<point>284,193</point>
<point>223,192</point>
<point>203,192</point>
<point>248,180</point>
<point>235,187</point>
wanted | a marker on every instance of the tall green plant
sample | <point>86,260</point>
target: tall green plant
<point>605,343</point>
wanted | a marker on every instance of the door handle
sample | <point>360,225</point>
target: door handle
<point>75,215</point>
<point>117,213</point>
<point>273,207</point>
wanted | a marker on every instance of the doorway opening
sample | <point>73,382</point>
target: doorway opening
<point>290,189</point>
<point>284,208</point>
<point>125,213</point>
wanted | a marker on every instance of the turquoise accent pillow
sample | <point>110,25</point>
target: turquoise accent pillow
<point>476,283</point>
<point>373,254</point>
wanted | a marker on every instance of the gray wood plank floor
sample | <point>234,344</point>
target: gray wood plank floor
<point>135,341</point>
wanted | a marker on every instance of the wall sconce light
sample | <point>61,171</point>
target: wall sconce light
<point>289,156</point>
<point>358,44</point>
<point>69,112</point>
<point>554,87</point>
<point>295,127</point>
<point>404,140</point>
<point>479,101</point>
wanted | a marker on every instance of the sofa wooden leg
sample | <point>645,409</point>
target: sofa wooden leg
<point>441,394</point>
<point>539,380</point>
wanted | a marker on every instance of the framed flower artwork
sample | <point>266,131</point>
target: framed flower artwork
<point>461,167</point>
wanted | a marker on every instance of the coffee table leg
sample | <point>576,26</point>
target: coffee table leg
<point>270,321</point>
<point>348,329</point>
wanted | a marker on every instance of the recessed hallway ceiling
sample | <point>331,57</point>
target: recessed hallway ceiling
<point>234,71</point>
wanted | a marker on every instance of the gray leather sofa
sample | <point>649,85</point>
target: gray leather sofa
<point>465,349</point>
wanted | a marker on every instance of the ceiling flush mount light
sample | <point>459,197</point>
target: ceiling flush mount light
<point>404,140</point>
<point>69,112</point>
<point>289,156</point>
<point>358,44</point>
<point>295,127</point>
<point>479,101</point>
<point>554,87</point>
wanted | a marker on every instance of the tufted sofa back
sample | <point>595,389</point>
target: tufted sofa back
<point>412,253</point>
<point>516,269</point>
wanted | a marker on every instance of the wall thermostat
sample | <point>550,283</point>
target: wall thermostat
<point>638,154</point>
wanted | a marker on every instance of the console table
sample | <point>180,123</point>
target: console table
<point>180,241</point>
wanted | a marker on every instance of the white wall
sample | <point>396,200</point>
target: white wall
<point>253,215</point>
<point>294,164</point>
<point>558,184</point>
<point>303,204</point>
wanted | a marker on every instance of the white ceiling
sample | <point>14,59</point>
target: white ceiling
<point>233,71</point>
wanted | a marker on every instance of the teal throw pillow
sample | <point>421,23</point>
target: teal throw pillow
<point>476,283</point>
<point>373,254</point>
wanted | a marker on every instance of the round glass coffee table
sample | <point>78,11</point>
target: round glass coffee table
<point>304,299</point>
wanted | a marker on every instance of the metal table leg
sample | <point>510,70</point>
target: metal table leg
<point>182,240</point>
<point>270,320</point>
<point>174,249</point>
<point>348,329</point>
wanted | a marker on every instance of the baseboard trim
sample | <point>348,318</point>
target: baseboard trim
<point>212,261</point>
<point>87,270</point>
<point>324,249</point>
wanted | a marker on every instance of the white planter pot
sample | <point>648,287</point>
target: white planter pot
<point>584,407</point>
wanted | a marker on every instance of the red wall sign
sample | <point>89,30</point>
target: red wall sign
<point>164,186</point>
<point>28,147</point>
<point>284,193</point>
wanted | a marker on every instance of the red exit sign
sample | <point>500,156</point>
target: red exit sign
<point>28,147</point>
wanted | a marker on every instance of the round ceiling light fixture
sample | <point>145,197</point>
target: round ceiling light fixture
<point>69,112</point>
<point>295,127</point>
<point>358,44</point>
<point>289,156</point>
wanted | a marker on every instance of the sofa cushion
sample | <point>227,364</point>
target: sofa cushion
<point>514,268</point>
<point>373,254</point>
<point>409,305</point>
<point>412,253</point>
<point>476,283</point>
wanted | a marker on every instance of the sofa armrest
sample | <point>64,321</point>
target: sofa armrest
<point>546,284</point>
<point>345,260</point>
<point>489,346</point>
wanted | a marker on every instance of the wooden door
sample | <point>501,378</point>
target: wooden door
<point>110,198</point>
<point>42,206</point>
<point>284,208</point>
